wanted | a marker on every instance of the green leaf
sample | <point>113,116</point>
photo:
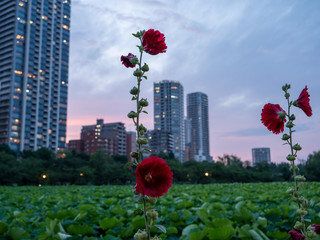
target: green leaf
<point>129,164</point>
<point>145,112</point>
<point>224,232</point>
<point>172,230</point>
<point>17,233</point>
<point>145,77</point>
<point>3,227</point>
<point>133,98</point>
<point>80,229</point>
<point>108,223</point>
<point>161,228</point>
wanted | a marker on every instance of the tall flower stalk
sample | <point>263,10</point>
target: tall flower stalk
<point>153,175</point>
<point>274,118</point>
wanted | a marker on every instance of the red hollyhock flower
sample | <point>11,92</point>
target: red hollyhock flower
<point>303,102</point>
<point>126,60</point>
<point>271,119</point>
<point>316,228</point>
<point>153,42</point>
<point>153,176</point>
<point>296,235</point>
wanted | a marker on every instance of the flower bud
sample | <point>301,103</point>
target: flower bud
<point>286,87</point>
<point>295,103</point>
<point>285,137</point>
<point>300,178</point>
<point>298,225</point>
<point>152,214</point>
<point>292,117</point>
<point>297,147</point>
<point>143,102</point>
<point>142,141</point>
<point>305,203</point>
<point>145,68</point>
<point>137,73</point>
<point>289,125</point>
<point>290,190</point>
<point>134,91</point>
<point>302,212</point>
<point>281,115</point>
<point>295,168</point>
<point>311,234</point>
<point>291,157</point>
<point>296,194</point>
<point>152,200</point>
<point>287,95</point>
<point>132,114</point>
<point>140,235</point>
<point>134,154</point>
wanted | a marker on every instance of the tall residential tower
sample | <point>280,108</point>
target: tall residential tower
<point>34,59</point>
<point>197,113</point>
<point>169,113</point>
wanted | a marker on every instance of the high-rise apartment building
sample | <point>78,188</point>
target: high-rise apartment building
<point>260,155</point>
<point>169,113</point>
<point>197,113</point>
<point>34,55</point>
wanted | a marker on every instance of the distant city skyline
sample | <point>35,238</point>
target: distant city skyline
<point>239,53</point>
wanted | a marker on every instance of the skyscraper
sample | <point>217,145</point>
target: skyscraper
<point>197,113</point>
<point>260,155</point>
<point>34,59</point>
<point>169,113</point>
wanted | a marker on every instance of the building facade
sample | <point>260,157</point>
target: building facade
<point>169,113</point>
<point>197,114</point>
<point>131,144</point>
<point>161,141</point>
<point>260,155</point>
<point>34,59</point>
<point>110,137</point>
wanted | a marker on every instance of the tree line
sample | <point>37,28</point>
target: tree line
<point>45,167</point>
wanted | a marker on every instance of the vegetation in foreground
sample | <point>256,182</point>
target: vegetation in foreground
<point>211,211</point>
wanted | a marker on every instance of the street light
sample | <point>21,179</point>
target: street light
<point>206,174</point>
<point>44,176</point>
<point>81,174</point>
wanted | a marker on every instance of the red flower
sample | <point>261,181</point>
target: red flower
<point>270,117</point>
<point>153,42</point>
<point>316,228</point>
<point>153,176</point>
<point>303,102</point>
<point>296,235</point>
<point>126,60</point>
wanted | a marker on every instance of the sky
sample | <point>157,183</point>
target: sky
<point>240,53</point>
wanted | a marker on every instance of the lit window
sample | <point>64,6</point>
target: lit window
<point>44,17</point>
<point>18,72</point>
<point>21,4</point>
<point>65,16</point>
<point>31,21</point>
<point>65,27</point>
<point>174,87</point>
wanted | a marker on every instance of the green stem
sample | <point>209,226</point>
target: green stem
<point>146,217</point>
<point>138,110</point>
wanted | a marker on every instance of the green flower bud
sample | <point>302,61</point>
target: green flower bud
<point>152,214</point>
<point>311,234</point>
<point>143,102</point>
<point>134,91</point>
<point>145,68</point>
<point>291,157</point>
<point>285,137</point>
<point>305,203</point>
<point>297,147</point>
<point>142,141</point>
<point>292,117</point>
<point>298,225</point>
<point>296,194</point>
<point>287,95</point>
<point>137,73</point>
<point>156,238</point>
<point>290,190</point>
<point>140,235</point>
<point>302,212</point>
<point>289,125</point>
<point>152,200</point>
<point>295,167</point>
<point>295,103</point>
<point>134,154</point>
<point>132,114</point>
<point>300,178</point>
<point>281,115</point>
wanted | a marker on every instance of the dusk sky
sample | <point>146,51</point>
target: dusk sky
<point>239,53</point>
